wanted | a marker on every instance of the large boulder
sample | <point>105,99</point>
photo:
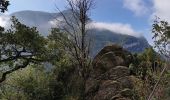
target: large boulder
<point>110,57</point>
<point>110,78</point>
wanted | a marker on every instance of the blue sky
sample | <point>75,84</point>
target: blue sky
<point>133,16</point>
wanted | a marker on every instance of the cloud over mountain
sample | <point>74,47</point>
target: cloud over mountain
<point>125,29</point>
<point>44,21</point>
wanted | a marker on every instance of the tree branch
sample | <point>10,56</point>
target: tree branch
<point>25,64</point>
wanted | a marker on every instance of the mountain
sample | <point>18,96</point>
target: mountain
<point>44,21</point>
<point>131,43</point>
<point>41,20</point>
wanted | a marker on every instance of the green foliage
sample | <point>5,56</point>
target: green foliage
<point>4,5</point>
<point>65,73</point>
<point>22,39</point>
<point>147,64</point>
<point>21,35</point>
<point>20,46</point>
<point>165,85</point>
<point>22,43</point>
<point>148,55</point>
<point>161,31</point>
<point>31,84</point>
<point>24,83</point>
<point>57,41</point>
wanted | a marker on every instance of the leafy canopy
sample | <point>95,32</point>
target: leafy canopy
<point>19,47</point>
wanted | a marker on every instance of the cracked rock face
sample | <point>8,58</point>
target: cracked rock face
<point>110,78</point>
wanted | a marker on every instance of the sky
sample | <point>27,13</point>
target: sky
<point>133,17</point>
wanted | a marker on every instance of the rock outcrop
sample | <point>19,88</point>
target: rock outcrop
<point>110,78</point>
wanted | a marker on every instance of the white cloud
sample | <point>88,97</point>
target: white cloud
<point>161,9</point>
<point>116,28</point>
<point>113,27</point>
<point>56,22</point>
<point>137,6</point>
<point>4,20</point>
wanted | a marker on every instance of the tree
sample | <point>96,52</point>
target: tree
<point>4,5</point>
<point>161,30</point>
<point>26,84</point>
<point>32,83</point>
<point>20,46</point>
<point>76,40</point>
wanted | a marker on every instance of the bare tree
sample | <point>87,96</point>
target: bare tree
<point>78,42</point>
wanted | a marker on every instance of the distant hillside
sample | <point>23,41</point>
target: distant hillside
<point>131,43</point>
<point>44,21</point>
